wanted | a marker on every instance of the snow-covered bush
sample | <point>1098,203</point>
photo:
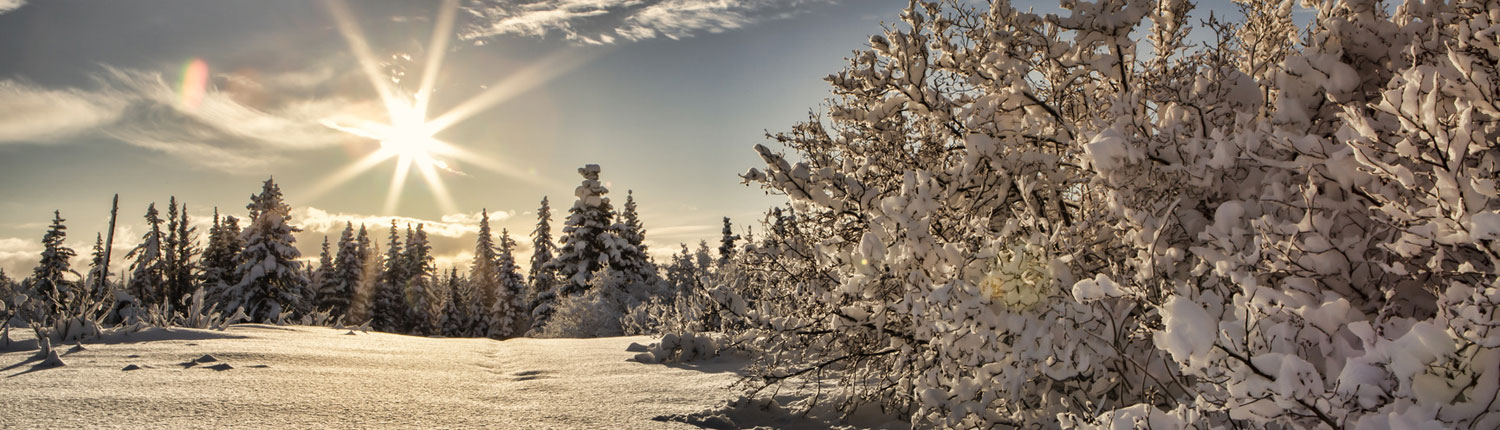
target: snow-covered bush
<point>1017,219</point>
<point>597,312</point>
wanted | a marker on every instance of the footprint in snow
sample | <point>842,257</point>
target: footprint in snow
<point>527,375</point>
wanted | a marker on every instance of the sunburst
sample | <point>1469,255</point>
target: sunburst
<point>407,135</point>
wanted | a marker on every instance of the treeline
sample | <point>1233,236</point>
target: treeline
<point>579,285</point>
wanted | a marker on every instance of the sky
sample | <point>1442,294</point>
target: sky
<point>203,101</point>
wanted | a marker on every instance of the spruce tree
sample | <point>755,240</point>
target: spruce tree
<point>47,278</point>
<point>632,259</point>
<point>324,281</point>
<point>726,244</point>
<point>270,277</point>
<point>484,279</point>
<point>346,274</point>
<point>362,300</point>
<point>219,258</point>
<point>423,293</point>
<point>458,320</point>
<point>177,255</point>
<point>509,304</point>
<point>586,236</point>
<point>541,279</point>
<point>147,270</point>
<point>389,311</point>
<point>94,284</point>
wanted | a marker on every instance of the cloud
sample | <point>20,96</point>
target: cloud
<point>242,123</point>
<point>600,22</point>
<point>10,5</point>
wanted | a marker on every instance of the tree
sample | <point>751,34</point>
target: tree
<point>348,268</point>
<point>178,252</point>
<point>147,270</point>
<point>541,279</point>
<point>47,278</point>
<point>726,243</point>
<point>389,312</point>
<point>484,280</point>
<point>325,283</point>
<point>94,283</point>
<point>586,236</point>
<point>633,260</point>
<point>424,296</point>
<point>508,307</point>
<point>362,302</point>
<point>270,277</point>
<point>219,258</point>
<point>458,319</point>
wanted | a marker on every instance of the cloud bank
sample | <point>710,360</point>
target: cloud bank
<point>10,5</point>
<point>601,22</point>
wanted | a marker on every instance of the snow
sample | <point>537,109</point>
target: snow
<point>311,377</point>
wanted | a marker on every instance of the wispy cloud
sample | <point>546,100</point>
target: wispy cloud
<point>10,5</point>
<point>241,124</point>
<point>599,22</point>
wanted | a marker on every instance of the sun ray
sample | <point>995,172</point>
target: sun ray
<point>361,49</point>
<point>533,75</point>
<point>398,181</point>
<point>436,50</point>
<point>439,190</point>
<point>349,172</point>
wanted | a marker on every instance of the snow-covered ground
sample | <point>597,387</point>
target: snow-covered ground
<point>307,377</point>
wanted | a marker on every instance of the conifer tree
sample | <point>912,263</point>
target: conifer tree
<point>270,277</point>
<point>389,312</point>
<point>508,306</point>
<point>726,244</point>
<point>458,321</point>
<point>484,278</point>
<point>423,293</point>
<point>177,254</point>
<point>633,261</point>
<point>325,283</point>
<point>586,236</point>
<point>346,274</point>
<point>362,299</point>
<point>147,271</point>
<point>541,279</point>
<point>93,282</point>
<point>218,262</point>
<point>47,278</point>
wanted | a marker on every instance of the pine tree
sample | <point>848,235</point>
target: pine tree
<point>346,274</point>
<point>508,306</point>
<point>177,255</point>
<point>586,236</point>
<point>147,271</point>
<point>362,300</point>
<point>541,279</point>
<point>423,293</point>
<point>632,259</point>
<point>47,278</point>
<point>726,244</point>
<point>270,277</point>
<point>325,283</point>
<point>218,262</point>
<point>389,312</point>
<point>458,319</point>
<point>484,279</point>
<point>94,285</point>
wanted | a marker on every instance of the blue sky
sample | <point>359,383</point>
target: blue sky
<point>668,96</point>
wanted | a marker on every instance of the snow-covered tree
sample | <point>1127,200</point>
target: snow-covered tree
<point>1014,219</point>
<point>346,274</point>
<point>147,270</point>
<point>362,299</point>
<point>178,251</point>
<point>270,277</point>
<point>219,256</point>
<point>541,279</point>
<point>458,313</point>
<point>586,236</point>
<point>389,311</point>
<point>509,302</point>
<point>484,279</point>
<point>632,258</point>
<point>48,278</point>
<point>94,284</point>
<point>726,243</point>
<point>424,296</point>
<point>324,282</point>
